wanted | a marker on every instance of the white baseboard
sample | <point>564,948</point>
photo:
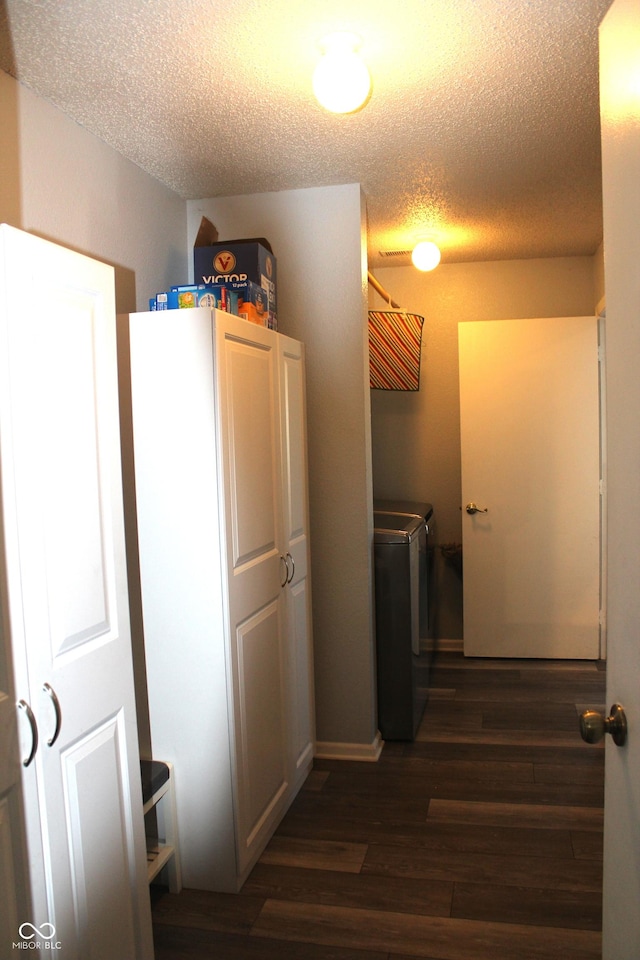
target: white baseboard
<point>351,751</point>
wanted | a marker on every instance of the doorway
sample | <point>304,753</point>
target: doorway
<point>530,442</point>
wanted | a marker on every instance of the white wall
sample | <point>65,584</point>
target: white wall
<point>318,238</point>
<point>416,436</point>
<point>61,182</point>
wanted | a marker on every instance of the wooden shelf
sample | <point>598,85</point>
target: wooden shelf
<point>158,855</point>
<point>159,799</point>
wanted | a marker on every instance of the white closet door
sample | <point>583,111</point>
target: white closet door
<point>67,598</point>
<point>247,367</point>
<point>296,535</point>
<point>529,418</point>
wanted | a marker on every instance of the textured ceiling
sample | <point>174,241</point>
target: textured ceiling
<point>482,129</point>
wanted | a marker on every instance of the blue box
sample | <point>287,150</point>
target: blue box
<point>218,297</point>
<point>239,262</point>
<point>161,301</point>
<point>215,296</point>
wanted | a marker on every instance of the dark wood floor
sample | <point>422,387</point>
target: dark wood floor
<point>482,840</point>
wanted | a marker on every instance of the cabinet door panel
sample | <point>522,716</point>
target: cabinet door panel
<point>97,844</point>
<point>248,392</point>
<point>252,452</point>
<point>296,526</point>
<point>79,554</point>
<point>260,718</point>
<point>294,447</point>
<point>64,458</point>
<point>67,585</point>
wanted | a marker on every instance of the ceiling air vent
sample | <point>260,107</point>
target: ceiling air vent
<point>394,253</point>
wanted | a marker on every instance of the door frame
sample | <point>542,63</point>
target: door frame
<point>601,314</point>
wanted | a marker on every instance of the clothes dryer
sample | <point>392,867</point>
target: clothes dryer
<point>402,660</point>
<point>428,579</point>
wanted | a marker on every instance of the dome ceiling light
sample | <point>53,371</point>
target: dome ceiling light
<point>341,80</point>
<point>426,255</point>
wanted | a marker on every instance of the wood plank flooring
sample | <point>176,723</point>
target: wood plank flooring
<point>480,840</point>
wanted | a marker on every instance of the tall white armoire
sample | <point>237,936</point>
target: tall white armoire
<point>215,410</point>
<point>73,872</point>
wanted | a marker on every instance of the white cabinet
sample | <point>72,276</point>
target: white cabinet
<point>73,859</point>
<point>216,408</point>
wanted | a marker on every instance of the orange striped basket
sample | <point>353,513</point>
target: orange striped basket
<point>394,350</point>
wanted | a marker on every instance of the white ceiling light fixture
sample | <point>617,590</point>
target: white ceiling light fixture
<point>341,80</point>
<point>426,255</point>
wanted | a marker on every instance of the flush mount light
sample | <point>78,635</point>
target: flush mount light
<point>426,255</point>
<point>341,80</point>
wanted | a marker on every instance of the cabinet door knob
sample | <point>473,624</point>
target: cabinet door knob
<point>293,567</point>
<point>48,689</point>
<point>24,706</point>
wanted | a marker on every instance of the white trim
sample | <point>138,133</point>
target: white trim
<point>351,751</point>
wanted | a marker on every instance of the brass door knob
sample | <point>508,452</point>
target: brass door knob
<point>593,725</point>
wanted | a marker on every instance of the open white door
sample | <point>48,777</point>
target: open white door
<point>529,417</point>
<point>620,113</point>
<point>66,614</point>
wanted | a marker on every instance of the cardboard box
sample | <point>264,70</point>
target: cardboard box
<point>252,304</point>
<point>217,296</point>
<point>238,262</point>
<point>159,302</point>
